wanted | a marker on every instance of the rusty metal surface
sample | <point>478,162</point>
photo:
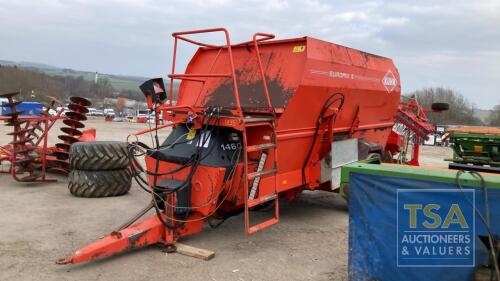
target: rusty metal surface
<point>251,95</point>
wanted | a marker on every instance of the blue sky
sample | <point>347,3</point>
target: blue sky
<point>454,44</point>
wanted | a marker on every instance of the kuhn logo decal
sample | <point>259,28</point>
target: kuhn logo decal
<point>390,82</point>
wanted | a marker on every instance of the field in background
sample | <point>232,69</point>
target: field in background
<point>117,81</point>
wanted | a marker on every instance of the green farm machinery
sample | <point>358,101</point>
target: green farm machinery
<point>475,148</point>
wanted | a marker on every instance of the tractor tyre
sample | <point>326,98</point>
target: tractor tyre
<point>94,184</point>
<point>440,106</point>
<point>99,155</point>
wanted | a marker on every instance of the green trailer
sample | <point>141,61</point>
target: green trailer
<point>475,146</point>
<point>413,172</point>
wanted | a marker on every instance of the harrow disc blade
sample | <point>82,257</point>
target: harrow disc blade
<point>61,155</point>
<point>68,139</point>
<point>8,95</point>
<point>11,104</point>
<point>73,123</point>
<point>24,141</point>
<point>81,101</point>
<point>71,131</point>
<point>24,169</point>
<point>58,164</point>
<point>25,150</point>
<point>37,126</point>
<point>15,122</point>
<point>76,116</point>
<point>78,108</point>
<point>59,170</point>
<point>63,146</point>
<point>23,162</point>
<point>33,134</point>
<point>31,177</point>
<point>20,132</point>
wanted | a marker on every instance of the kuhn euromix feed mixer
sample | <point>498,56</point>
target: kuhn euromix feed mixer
<point>253,123</point>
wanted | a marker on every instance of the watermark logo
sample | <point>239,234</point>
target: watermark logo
<point>435,228</point>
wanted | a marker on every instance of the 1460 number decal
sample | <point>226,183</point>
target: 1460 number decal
<point>230,146</point>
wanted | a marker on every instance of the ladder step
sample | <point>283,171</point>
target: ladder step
<point>262,225</point>
<point>261,200</point>
<point>261,173</point>
<point>257,147</point>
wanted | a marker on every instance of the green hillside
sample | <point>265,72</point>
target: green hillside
<point>118,82</point>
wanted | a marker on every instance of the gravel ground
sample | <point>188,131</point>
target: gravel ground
<point>43,222</point>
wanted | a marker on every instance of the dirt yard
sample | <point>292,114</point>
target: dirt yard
<point>43,222</point>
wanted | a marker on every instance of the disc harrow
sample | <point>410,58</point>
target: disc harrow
<point>22,150</point>
<point>28,153</point>
<point>73,121</point>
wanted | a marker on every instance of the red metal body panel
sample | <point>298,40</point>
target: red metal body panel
<point>301,73</point>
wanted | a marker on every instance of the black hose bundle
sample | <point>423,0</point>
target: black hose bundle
<point>159,193</point>
<point>329,102</point>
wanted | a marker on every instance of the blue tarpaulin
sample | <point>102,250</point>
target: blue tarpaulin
<point>408,229</point>
<point>28,108</point>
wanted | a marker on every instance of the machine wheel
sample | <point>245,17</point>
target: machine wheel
<point>440,106</point>
<point>93,184</point>
<point>98,155</point>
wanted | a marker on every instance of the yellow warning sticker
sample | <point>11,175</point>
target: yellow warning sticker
<point>191,134</point>
<point>299,49</point>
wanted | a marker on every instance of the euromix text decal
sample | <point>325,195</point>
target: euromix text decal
<point>389,81</point>
<point>435,228</point>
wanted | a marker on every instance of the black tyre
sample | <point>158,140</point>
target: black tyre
<point>440,106</point>
<point>93,184</point>
<point>98,155</point>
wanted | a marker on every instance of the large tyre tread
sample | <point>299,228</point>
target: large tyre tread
<point>97,156</point>
<point>95,184</point>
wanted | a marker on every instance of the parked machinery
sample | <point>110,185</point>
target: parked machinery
<point>252,123</point>
<point>28,155</point>
<point>410,130</point>
<point>475,148</point>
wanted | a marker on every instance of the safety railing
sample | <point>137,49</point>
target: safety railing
<point>183,36</point>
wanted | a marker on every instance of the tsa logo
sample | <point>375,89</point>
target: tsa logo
<point>435,228</point>
<point>390,82</point>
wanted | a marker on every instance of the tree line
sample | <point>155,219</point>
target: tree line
<point>37,85</point>
<point>461,112</point>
